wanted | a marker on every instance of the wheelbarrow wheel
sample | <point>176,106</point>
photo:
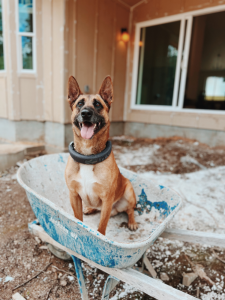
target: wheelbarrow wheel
<point>59,253</point>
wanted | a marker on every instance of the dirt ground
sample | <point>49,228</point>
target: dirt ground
<point>22,256</point>
<point>168,153</point>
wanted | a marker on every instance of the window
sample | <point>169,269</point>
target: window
<point>157,63</point>
<point>179,62</point>
<point>26,34</point>
<point>205,87</point>
<point>1,40</point>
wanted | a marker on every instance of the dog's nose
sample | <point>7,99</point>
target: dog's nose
<point>86,113</point>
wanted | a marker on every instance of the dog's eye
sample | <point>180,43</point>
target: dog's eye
<point>97,104</point>
<point>80,103</point>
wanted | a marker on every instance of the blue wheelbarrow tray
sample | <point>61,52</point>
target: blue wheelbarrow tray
<point>43,180</point>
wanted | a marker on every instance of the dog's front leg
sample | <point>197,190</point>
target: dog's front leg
<point>105,215</point>
<point>76,204</point>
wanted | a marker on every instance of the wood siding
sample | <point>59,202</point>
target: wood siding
<point>93,48</point>
<point>78,38</point>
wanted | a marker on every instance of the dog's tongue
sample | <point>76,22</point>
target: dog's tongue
<point>87,131</point>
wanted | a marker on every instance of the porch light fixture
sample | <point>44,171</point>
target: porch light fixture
<point>125,35</point>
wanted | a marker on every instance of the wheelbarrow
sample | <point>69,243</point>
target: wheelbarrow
<point>116,252</point>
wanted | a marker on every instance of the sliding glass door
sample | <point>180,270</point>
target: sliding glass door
<point>180,64</point>
<point>158,52</point>
<point>205,85</point>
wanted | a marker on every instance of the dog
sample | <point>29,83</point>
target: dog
<point>100,186</point>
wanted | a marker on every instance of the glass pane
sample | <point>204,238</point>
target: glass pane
<point>205,87</point>
<point>27,52</point>
<point>1,40</point>
<point>25,15</point>
<point>157,63</point>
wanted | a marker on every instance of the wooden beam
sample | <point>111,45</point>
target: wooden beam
<point>149,267</point>
<point>148,285</point>
<point>199,237</point>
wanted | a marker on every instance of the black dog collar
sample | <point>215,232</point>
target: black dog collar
<point>90,159</point>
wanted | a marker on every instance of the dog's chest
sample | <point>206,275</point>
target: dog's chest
<point>86,178</point>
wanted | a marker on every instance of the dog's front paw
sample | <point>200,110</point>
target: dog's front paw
<point>133,226</point>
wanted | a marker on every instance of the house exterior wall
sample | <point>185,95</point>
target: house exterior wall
<point>82,38</point>
<point>21,93</point>
<point>78,38</point>
<point>93,48</point>
<point>158,9</point>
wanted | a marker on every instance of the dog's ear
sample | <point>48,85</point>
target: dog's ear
<point>106,91</point>
<point>73,91</point>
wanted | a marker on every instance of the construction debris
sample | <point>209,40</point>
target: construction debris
<point>190,160</point>
<point>164,277</point>
<point>214,253</point>
<point>188,278</point>
<point>37,240</point>
<point>17,296</point>
<point>199,270</point>
<point>63,283</point>
<point>43,248</point>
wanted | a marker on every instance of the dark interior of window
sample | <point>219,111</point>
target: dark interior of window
<point>158,49</point>
<point>205,86</point>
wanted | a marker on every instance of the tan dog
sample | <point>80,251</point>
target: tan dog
<point>100,186</point>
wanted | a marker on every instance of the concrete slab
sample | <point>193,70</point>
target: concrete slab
<point>143,130</point>
<point>10,154</point>
<point>55,134</point>
<point>116,128</point>
<point>32,131</point>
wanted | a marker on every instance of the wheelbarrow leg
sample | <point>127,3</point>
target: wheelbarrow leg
<point>110,283</point>
<point>80,278</point>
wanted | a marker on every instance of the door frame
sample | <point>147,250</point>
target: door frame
<point>182,60</point>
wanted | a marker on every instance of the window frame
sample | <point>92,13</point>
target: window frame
<point>182,61</point>
<point>19,44</point>
<point>3,36</point>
